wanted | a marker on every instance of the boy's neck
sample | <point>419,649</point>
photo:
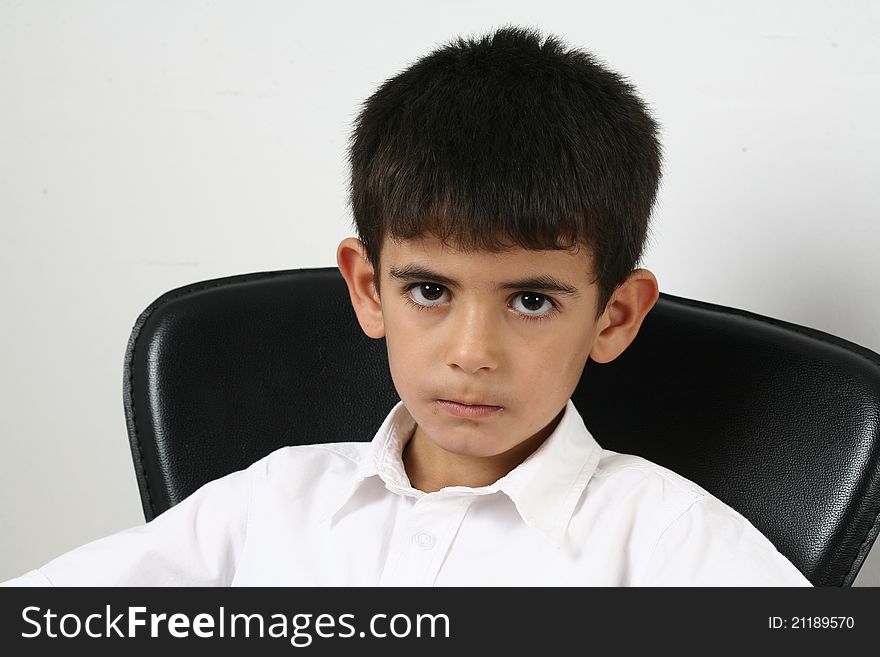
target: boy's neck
<point>431,468</point>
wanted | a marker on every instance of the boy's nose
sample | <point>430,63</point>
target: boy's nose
<point>473,341</point>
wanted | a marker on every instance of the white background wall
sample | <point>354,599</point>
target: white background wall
<point>147,145</point>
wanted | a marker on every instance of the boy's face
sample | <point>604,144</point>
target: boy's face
<point>510,330</point>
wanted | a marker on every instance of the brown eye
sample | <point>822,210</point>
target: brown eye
<point>426,294</point>
<point>430,291</point>
<point>533,302</point>
<point>532,305</point>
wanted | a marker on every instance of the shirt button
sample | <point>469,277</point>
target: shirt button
<point>424,540</point>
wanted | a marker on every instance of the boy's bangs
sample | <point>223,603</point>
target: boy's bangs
<point>464,229</point>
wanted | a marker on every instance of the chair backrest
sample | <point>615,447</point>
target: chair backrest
<point>779,421</point>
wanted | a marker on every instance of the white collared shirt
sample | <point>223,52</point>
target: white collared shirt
<point>345,514</point>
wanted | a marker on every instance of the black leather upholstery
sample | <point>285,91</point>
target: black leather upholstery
<point>780,421</point>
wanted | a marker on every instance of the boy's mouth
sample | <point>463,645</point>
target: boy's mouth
<point>468,409</point>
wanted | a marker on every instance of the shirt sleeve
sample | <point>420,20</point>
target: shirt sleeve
<point>194,543</point>
<point>711,544</point>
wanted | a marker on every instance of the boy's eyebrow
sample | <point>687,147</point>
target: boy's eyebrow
<point>540,283</point>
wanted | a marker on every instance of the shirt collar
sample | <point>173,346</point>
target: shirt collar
<point>545,488</point>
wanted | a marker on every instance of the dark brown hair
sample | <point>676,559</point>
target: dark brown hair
<point>508,140</point>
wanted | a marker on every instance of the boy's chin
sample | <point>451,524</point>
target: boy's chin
<point>466,439</point>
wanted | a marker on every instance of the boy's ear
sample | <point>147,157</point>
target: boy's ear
<point>358,273</point>
<point>620,323</point>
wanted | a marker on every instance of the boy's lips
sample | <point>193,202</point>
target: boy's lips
<point>472,410</point>
<point>470,403</point>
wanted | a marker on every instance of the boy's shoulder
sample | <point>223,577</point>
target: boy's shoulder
<point>635,487</point>
<point>630,470</point>
<point>311,476</point>
<point>686,534</point>
<point>309,462</point>
<point>663,502</point>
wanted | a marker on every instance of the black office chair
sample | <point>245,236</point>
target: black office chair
<point>777,420</point>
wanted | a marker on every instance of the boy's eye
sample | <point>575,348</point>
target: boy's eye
<point>427,294</point>
<point>532,303</point>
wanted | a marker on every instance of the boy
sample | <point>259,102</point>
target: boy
<point>501,189</point>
